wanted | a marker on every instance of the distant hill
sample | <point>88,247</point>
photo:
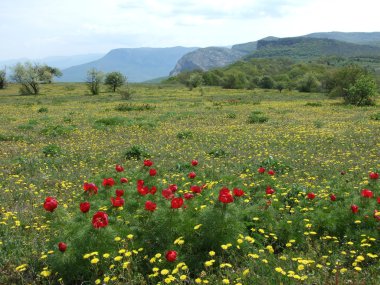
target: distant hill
<point>357,38</point>
<point>138,64</point>
<point>309,48</point>
<point>206,58</point>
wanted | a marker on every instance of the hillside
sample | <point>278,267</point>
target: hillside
<point>138,64</point>
<point>357,38</point>
<point>308,48</point>
<point>207,58</point>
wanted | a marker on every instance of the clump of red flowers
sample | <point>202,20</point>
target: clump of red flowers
<point>148,162</point>
<point>150,206</point>
<point>194,162</point>
<point>192,175</point>
<point>117,202</point>
<point>225,196</point>
<point>269,190</point>
<point>374,175</point>
<point>100,220</point>
<point>119,168</point>
<point>366,193</point>
<point>152,172</point>
<point>310,196</point>
<point>176,203</point>
<point>108,182</point>
<point>84,207</point>
<point>90,188</point>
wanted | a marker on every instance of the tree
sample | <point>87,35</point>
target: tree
<point>308,83</point>
<point>94,80</point>
<point>115,79</point>
<point>194,81</point>
<point>361,93</point>
<point>266,82</point>
<point>30,76</point>
<point>3,79</point>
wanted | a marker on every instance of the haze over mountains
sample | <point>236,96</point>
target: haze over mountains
<point>143,64</point>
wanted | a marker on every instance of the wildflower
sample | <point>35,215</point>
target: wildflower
<point>332,197</point>
<point>117,202</point>
<point>150,206</point>
<point>62,246</point>
<point>310,196</point>
<point>271,172</point>
<point>84,207</point>
<point>238,192</point>
<point>171,255</point>
<point>366,193</point>
<point>119,168</point>
<point>191,175</point>
<point>354,208</point>
<point>100,220</point>
<point>261,170</point>
<point>374,175</point>
<point>195,189</point>
<point>225,196</point>
<point>212,253</point>
<point>152,172</point>
<point>95,260</point>
<point>176,203</point>
<point>91,188</point>
<point>50,204</point>
<point>269,190</point>
<point>119,192</point>
<point>108,182</point>
<point>148,162</point>
<point>194,162</point>
<point>123,180</point>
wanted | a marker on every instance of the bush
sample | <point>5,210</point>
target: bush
<point>136,152</point>
<point>126,92</point>
<point>113,121</point>
<point>57,130</point>
<point>362,92</point>
<point>184,135</point>
<point>51,150</point>
<point>376,117</point>
<point>42,110</point>
<point>131,107</point>
<point>256,117</point>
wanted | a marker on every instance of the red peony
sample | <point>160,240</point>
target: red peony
<point>173,187</point>
<point>100,220</point>
<point>191,175</point>
<point>332,197</point>
<point>150,206</point>
<point>366,193</point>
<point>225,196</point>
<point>188,196</point>
<point>261,170</point>
<point>108,182</point>
<point>50,204</point>
<point>167,194</point>
<point>148,162</point>
<point>195,189</point>
<point>374,175</point>
<point>91,188</point>
<point>378,200</point>
<point>119,192</point>
<point>310,196</point>
<point>84,207</point>
<point>354,209</point>
<point>194,162</point>
<point>123,180</point>
<point>238,192</point>
<point>271,172</point>
<point>117,202</point>
<point>153,190</point>
<point>176,203</point>
<point>62,246</point>
<point>152,172</point>
<point>171,255</point>
<point>269,190</point>
<point>119,168</point>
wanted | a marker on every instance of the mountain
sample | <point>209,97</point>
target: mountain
<point>356,38</point>
<point>308,48</point>
<point>138,64</point>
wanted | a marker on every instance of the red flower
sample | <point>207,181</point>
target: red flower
<point>84,207</point>
<point>310,196</point>
<point>140,183</point>
<point>195,189</point>
<point>62,246</point>
<point>191,175</point>
<point>150,206</point>
<point>143,190</point>
<point>378,200</point>
<point>261,170</point>
<point>171,255</point>
<point>117,202</point>
<point>119,192</point>
<point>354,209</point>
<point>271,172</point>
<point>148,162</point>
<point>238,192</point>
<point>153,190</point>
<point>108,182</point>
<point>176,203</point>
<point>225,196</point>
<point>332,197</point>
<point>173,187</point>
<point>167,193</point>
<point>367,193</point>
<point>90,188</point>
<point>100,220</point>
<point>269,190</point>
<point>119,168</point>
<point>152,172</point>
<point>194,162</point>
<point>374,175</point>
<point>188,196</point>
<point>50,204</point>
<point>123,180</point>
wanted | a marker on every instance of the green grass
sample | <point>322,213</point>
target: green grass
<point>312,143</point>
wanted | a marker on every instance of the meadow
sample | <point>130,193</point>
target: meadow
<point>244,187</point>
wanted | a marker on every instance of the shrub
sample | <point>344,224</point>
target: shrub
<point>131,107</point>
<point>362,92</point>
<point>113,121</point>
<point>314,104</point>
<point>256,117</point>
<point>42,110</point>
<point>136,152</point>
<point>126,92</point>
<point>184,135</point>
<point>51,150</point>
<point>57,130</point>
<point>376,117</point>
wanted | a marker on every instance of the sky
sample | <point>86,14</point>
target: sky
<point>41,28</point>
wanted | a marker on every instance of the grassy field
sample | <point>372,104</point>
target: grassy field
<point>51,144</point>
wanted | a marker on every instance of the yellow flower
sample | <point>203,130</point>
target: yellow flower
<point>164,272</point>
<point>45,273</point>
<point>197,227</point>
<point>226,281</point>
<point>118,258</point>
<point>94,260</point>
<point>98,281</point>
<point>106,279</point>
<point>245,272</point>
<point>130,236</point>
<point>357,268</point>
<point>117,238</point>
<point>106,255</point>
<point>125,264</point>
<point>343,270</point>
<point>198,280</point>
<point>209,263</point>
<point>183,277</point>
<point>211,253</point>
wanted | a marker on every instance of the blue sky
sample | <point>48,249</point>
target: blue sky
<point>40,28</point>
